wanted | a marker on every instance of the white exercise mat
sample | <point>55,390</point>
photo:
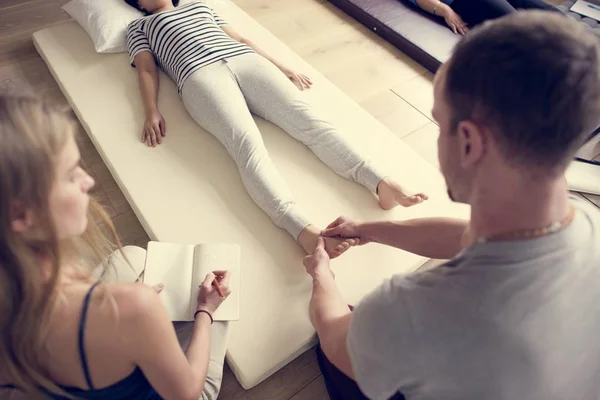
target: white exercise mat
<point>188,190</point>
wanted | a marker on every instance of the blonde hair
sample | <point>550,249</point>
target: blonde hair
<point>32,136</point>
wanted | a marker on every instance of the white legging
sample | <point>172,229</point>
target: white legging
<point>220,97</point>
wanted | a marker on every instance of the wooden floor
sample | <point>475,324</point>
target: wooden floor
<point>382,80</point>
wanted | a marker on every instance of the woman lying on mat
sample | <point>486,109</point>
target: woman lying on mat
<point>222,78</point>
<point>460,14</point>
<point>64,334</point>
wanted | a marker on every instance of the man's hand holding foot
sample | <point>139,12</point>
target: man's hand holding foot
<point>344,227</point>
<point>439,238</point>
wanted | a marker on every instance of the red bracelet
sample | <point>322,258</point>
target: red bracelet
<point>207,313</point>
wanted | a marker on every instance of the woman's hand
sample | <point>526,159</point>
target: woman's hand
<point>302,81</point>
<point>454,20</point>
<point>209,298</point>
<point>154,129</point>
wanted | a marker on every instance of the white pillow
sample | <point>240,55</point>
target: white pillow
<point>105,21</point>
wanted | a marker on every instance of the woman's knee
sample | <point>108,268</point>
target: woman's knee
<point>245,146</point>
<point>212,386</point>
<point>135,256</point>
<point>125,265</point>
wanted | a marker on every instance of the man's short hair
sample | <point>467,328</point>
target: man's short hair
<point>533,78</point>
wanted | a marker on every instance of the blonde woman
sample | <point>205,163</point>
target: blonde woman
<point>62,333</point>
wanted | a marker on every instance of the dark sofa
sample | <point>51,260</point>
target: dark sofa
<point>421,36</point>
<point>415,33</point>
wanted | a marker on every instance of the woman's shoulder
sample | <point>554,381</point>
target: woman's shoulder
<point>133,300</point>
<point>136,25</point>
<point>104,301</point>
<point>137,311</point>
<point>121,310</point>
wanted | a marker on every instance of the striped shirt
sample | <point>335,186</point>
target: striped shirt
<point>183,40</point>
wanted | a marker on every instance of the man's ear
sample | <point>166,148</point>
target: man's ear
<point>22,219</point>
<point>471,143</point>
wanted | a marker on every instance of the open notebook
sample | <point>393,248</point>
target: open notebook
<point>182,268</point>
<point>587,8</point>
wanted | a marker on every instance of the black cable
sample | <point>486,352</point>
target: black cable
<point>585,160</point>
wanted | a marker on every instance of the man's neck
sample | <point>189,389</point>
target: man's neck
<point>521,205</point>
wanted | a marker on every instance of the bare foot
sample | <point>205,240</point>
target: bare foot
<point>335,247</point>
<point>392,194</point>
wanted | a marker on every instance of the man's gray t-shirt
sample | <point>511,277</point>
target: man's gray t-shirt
<point>503,320</point>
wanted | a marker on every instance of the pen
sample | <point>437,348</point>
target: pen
<point>593,7</point>
<point>218,287</point>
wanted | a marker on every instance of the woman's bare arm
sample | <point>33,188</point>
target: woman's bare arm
<point>439,8</point>
<point>430,6</point>
<point>302,81</point>
<point>154,126</point>
<point>236,36</point>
